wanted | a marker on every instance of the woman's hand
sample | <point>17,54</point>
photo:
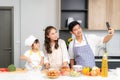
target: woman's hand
<point>47,65</point>
<point>65,64</point>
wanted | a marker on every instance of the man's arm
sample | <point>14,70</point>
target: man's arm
<point>71,63</point>
<point>109,36</point>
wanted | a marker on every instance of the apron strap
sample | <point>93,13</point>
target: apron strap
<point>85,39</point>
<point>38,53</point>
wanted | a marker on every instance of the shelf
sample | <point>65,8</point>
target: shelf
<point>66,29</point>
<point>76,15</point>
<point>63,28</point>
<point>82,10</point>
<point>74,4</point>
<point>78,10</point>
<point>109,57</point>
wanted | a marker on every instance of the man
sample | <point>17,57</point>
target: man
<point>82,48</point>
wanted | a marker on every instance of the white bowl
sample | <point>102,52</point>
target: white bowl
<point>77,68</point>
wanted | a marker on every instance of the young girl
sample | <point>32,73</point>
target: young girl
<point>55,49</point>
<point>34,57</point>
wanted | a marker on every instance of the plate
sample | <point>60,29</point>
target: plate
<point>52,73</point>
<point>52,77</point>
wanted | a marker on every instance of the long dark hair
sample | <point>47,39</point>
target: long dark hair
<point>47,40</point>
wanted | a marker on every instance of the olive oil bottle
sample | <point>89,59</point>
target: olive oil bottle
<point>104,72</point>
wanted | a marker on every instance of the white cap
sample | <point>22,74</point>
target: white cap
<point>30,40</point>
<point>70,19</point>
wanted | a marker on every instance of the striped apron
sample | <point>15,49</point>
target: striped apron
<point>83,55</point>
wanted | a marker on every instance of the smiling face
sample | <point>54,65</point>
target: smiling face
<point>77,30</point>
<point>53,35</point>
<point>51,39</point>
<point>36,45</point>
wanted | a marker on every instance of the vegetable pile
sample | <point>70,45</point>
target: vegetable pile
<point>11,68</point>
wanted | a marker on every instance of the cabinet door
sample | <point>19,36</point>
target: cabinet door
<point>97,14</point>
<point>114,16</point>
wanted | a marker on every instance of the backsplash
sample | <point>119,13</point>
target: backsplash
<point>64,34</point>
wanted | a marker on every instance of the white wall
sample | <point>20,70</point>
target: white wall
<point>30,17</point>
<point>15,4</point>
<point>35,16</point>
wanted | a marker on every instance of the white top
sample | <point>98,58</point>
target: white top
<point>35,58</point>
<point>58,56</point>
<point>93,40</point>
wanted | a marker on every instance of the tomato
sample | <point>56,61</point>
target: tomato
<point>4,70</point>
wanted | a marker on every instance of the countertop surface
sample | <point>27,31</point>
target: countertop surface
<point>37,75</point>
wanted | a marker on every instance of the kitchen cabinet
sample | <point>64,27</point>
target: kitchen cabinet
<point>102,11</point>
<point>93,14</point>
<point>76,9</point>
<point>114,11</point>
<point>111,64</point>
<point>97,14</point>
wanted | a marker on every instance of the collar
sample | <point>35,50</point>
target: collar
<point>83,39</point>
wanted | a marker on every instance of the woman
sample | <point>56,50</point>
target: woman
<point>82,48</point>
<point>55,49</point>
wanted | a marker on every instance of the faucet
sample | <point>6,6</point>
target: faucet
<point>102,48</point>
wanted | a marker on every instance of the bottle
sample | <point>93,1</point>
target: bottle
<point>104,72</point>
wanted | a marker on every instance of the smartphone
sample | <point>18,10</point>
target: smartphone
<point>108,25</point>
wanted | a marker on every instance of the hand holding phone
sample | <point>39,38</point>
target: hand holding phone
<point>108,25</point>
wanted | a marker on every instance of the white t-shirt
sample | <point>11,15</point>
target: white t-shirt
<point>58,56</point>
<point>35,58</point>
<point>93,40</point>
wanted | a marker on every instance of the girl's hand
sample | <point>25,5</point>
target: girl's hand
<point>39,67</point>
<point>28,60</point>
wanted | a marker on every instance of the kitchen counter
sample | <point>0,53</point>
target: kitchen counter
<point>112,63</point>
<point>109,60</point>
<point>34,75</point>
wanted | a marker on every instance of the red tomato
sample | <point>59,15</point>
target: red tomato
<point>64,73</point>
<point>4,70</point>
